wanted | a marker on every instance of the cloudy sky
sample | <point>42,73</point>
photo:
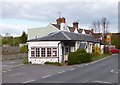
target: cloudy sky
<point>17,16</point>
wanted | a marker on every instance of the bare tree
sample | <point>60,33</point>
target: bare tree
<point>105,25</point>
<point>96,26</point>
<point>101,26</point>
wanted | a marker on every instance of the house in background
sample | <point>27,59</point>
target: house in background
<point>60,25</point>
<point>56,46</point>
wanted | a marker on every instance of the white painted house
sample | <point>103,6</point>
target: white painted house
<point>56,46</point>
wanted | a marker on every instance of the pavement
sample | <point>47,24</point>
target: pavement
<point>101,71</point>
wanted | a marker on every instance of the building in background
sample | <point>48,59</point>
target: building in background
<point>60,25</point>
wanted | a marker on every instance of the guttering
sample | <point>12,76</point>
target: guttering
<point>58,52</point>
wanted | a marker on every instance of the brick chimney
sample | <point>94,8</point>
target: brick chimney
<point>59,20</point>
<point>75,24</point>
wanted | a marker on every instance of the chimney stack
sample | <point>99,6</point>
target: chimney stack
<point>63,20</point>
<point>59,20</point>
<point>75,24</point>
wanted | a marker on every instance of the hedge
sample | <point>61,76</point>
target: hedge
<point>80,56</point>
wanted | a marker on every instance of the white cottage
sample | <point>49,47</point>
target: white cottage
<point>55,47</point>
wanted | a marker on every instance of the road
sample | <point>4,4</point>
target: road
<point>102,71</point>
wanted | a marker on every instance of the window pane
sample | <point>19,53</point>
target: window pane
<point>37,52</point>
<point>54,52</point>
<point>42,52</point>
<point>32,52</point>
<point>48,52</point>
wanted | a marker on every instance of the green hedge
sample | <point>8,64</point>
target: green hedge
<point>80,56</point>
<point>24,49</point>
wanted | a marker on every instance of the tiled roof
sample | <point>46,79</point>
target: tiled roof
<point>65,36</point>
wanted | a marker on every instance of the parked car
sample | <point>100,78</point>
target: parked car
<point>114,50</point>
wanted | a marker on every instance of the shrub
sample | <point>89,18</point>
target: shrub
<point>80,56</point>
<point>26,60</point>
<point>73,58</point>
<point>85,57</point>
<point>24,49</point>
<point>97,50</point>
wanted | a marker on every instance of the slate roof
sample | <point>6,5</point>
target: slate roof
<point>72,29</point>
<point>65,36</point>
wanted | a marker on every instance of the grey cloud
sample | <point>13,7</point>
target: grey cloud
<point>85,12</point>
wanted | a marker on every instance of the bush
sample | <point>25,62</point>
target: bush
<point>73,58</point>
<point>85,57</point>
<point>80,56</point>
<point>26,60</point>
<point>24,49</point>
<point>97,50</point>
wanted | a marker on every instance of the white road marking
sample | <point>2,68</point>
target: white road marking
<point>59,72</point>
<point>12,62</point>
<point>46,76</point>
<point>72,69</point>
<point>4,71</point>
<point>111,70</point>
<point>28,81</point>
<point>101,82</point>
<point>86,64</point>
<point>9,70</point>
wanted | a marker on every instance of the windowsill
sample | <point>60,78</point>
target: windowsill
<point>43,57</point>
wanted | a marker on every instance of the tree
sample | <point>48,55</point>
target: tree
<point>23,37</point>
<point>101,25</point>
<point>105,25</point>
<point>96,26</point>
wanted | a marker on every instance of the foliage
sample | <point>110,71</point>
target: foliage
<point>106,50</point>
<point>26,60</point>
<point>14,41</point>
<point>7,41</point>
<point>116,40</point>
<point>24,49</point>
<point>96,50</point>
<point>100,56</point>
<point>80,56</point>
<point>73,58</point>
<point>53,63</point>
<point>23,37</point>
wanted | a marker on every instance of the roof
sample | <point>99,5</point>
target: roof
<point>72,29</point>
<point>97,35</point>
<point>65,36</point>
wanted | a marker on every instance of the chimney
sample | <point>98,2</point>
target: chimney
<point>63,20</point>
<point>75,24</point>
<point>59,20</point>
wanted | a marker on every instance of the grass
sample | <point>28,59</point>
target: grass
<point>100,56</point>
<point>54,63</point>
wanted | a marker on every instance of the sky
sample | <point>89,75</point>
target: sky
<point>19,15</point>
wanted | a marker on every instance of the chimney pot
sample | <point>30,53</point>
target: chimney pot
<point>75,24</point>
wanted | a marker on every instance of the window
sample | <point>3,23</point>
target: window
<point>43,52</point>
<point>66,50</point>
<point>48,52</point>
<point>37,52</point>
<point>32,52</point>
<point>54,52</point>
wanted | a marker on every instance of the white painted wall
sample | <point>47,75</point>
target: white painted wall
<point>43,44</point>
